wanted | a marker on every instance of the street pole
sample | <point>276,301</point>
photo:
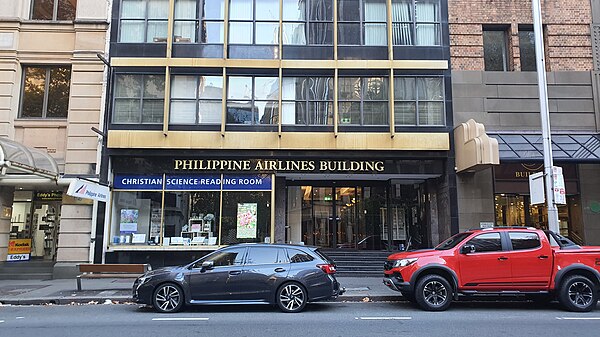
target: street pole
<point>545,116</point>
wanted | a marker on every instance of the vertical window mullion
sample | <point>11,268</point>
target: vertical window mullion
<point>142,88</point>
<point>146,23</point>
<point>253,100</point>
<point>362,99</point>
<point>46,89</point>
<point>417,105</point>
<point>197,99</point>
<point>55,11</point>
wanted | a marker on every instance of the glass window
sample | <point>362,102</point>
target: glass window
<point>138,99</point>
<point>522,240</point>
<point>190,215</point>
<point>262,255</point>
<point>495,49</point>
<point>246,217</point>
<point>144,21</point>
<point>252,100</point>
<point>298,256</point>
<point>416,22</point>
<point>363,100</point>
<point>56,10</point>
<point>307,22</point>
<point>196,99</point>
<point>527,49</point>
<point>362,22</point>
<point>307,101</point>
<point>45,92</point>
<point>136,218</point>
<point>419,101</point>
<point>488,242</point>
<point>254,22</point>
<point>229,257</point>
<point>202,24</point>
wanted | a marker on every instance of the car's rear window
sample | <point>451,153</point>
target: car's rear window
<point>324,256</point>
<point>298,256</point>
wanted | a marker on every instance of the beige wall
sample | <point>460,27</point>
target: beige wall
<point>71,142</point>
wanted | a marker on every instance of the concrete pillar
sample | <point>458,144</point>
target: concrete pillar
<point>6,201</point>
<point>475,198</point>
<point>73,239</point>
<point>280,206</point>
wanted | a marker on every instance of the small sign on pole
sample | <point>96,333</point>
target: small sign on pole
<point>536,188</point>
<point>560,196</point>
<point>88,190</point>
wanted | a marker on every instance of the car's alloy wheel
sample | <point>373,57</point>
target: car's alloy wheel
<point>578,293</point>
<point>433,293</point>
<point>291,297</point>
<point>168,298</point>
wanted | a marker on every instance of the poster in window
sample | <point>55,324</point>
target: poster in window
<point>129,220</point>
<point>246,220</point>
<point>155,223</point>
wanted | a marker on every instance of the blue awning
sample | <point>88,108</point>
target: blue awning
<point>571,147</point>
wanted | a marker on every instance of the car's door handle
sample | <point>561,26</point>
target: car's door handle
<point>279,270</point>
<point>235,272</point>
<point>503,258</point>
<point>541,257</point>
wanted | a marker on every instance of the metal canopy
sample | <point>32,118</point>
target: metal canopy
<point>565,147</point>
<point>17,160</point>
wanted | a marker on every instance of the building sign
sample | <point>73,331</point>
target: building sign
<point>85,189</point>
<point>199,182</point>
<point>47,196</point>
<point>19,250</point>
<point>522,171</point>
<point>277,165</point>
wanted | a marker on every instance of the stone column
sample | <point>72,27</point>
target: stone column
<point>6,201</point>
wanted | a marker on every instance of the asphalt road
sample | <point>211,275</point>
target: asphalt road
<point>470,319</point>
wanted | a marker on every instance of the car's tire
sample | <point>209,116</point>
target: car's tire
<point>433,293</point>
<point>168,298</point>
<point>577,293</point>
<point>291,297</point>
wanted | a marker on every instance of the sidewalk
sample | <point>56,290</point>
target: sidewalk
<point>64,291</point>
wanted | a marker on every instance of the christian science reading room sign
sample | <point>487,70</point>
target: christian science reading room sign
<point>208,182</point>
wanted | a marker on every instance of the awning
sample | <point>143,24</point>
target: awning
<point>571,147</point>
<point>18,161</point>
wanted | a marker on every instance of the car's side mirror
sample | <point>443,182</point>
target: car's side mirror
<point>466,249</point>
<point>206,265</point>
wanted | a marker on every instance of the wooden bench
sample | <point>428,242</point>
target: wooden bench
<point>110,271</point>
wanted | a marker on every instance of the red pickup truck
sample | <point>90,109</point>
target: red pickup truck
<point>540,265</point>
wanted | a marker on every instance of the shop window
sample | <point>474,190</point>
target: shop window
<point>252,100</point>
<point>193,216</point>
<point>419,101</point>
<point>45,92</point>
<point>254,22</point>
<point>136,218</point>
<point>308,22</point>
<point>362,22</point>
<point>246,217</point>
<point>416,22</point>
<point>495,48</point>
<point>527,48</point>
<point>307,101</point>
<point>144,21</point>
<point>363,100</point>
<point>54,10</point>
<point>138,99</point>
<point>202,24</point>
<point>524,240</point>
<point>488,242</point>
<point>196,99</point>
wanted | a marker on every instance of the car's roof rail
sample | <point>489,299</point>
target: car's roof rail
<point>501,227</point>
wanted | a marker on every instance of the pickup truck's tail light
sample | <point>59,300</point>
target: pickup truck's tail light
<point>327,268</point>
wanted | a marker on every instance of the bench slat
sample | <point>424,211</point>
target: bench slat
<point>113,268</point>
<point>119,275</point>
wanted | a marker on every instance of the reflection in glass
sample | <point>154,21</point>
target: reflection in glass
<point>33,92</point>
<point>235,204</point>
<point>241,9</point>
<point>136,215</point>
<point>240,32</point>
<point>267,33</point>
<point>267,10</point>
<point>58,92</point>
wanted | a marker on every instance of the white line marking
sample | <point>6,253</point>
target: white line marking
<point>579,318</point>
<point>20,317</point>
<point>1,321</point>
<point>181,319</point>
<point>406,318</point>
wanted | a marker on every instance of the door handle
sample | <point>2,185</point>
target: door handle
<point>541,257</point>
<point>235,272</point>
<point>279,270</point>
<point>503,258</point>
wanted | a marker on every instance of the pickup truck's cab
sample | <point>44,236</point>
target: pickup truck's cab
<point>509,260</point>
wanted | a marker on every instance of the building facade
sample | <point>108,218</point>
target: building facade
<point>323,122</point>
<point>494,82</point>
<point>51,84</point>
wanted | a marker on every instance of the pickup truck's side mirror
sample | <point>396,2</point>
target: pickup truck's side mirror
<point>206,265</point>
<point>466,249</point>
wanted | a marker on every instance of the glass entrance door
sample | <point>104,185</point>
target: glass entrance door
<point>348,222</point>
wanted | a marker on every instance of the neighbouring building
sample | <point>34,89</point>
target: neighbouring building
<point>494,82</point>
<point>323,122</point>
<point>51,84</point>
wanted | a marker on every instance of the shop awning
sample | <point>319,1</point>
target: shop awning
<point>573,147</point>
<point>18,161</point>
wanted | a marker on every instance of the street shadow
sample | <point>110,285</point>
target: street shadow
<point>233,308</point>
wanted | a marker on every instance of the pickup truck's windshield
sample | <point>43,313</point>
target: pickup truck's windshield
<point>452,241</point>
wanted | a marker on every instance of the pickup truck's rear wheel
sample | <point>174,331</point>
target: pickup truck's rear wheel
<point>578,293</point>
<point>433,293</point>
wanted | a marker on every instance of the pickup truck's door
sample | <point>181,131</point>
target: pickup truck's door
<point>488,268</point>
<point>531,259</point>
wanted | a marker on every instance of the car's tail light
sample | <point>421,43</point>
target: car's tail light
<point>327,268</point>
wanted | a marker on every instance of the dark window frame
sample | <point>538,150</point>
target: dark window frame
<point>361,22</point>
<point>362,100</point>
<point>199,22</point>
<point>54,12</point>
<point>417,101</point>
<point>308,22</point>
<point>46,90</point>
<point>307,101</point>
<point>506,48</point>
<point>253,100</point>
<point>145,20</point>
<point>254,21</point>
<point>413,23</point>
<point>141,98</point>
<point>196,99</point>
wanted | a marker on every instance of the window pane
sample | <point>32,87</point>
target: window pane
<point>126,111</point>
<point>154,86</point>
<point>427,10</point>
<point>132,31</point>
<point>297,256</point>
<point>239,87</point>
<point>376,88</point>
<point>349,112</point>
<point>293,88</point>
<point>43,10</point>
<point>320,10</point>
<point>293,113</point>
<point>135,213</point>
<point>349,34</point>
<point>402,11</point>
<point>349,88</point>
<point>58,92</point>
<point>375,10</point>
<point>240,32</point>
<point>428,35</point>
<point>152,111</point>
<point>294,33</point>
<point>430,89</point>
<point>184,31</point>
<point>185,9</point>
<point>267,88</point>
<point>241,9</point>
<point>209,112</point>
<point>527,50</point>
<point>231,208</point>
<point>33,92</point>
<point>230,257</point>
<point>66,10</point>
<point>320,113</point>
<point>375,113</point>
<point>214,9</point>
<point>268,112</point>
<point>404,88</point>
<point>494,50</point>
<point>158,9</point>
<point>261,255</point>
<point>294,10</point>
<point>402,34</point>
<point>183,87</point>
<point>431,113</point>
<point>267,33</point>
<point>240,112</point>
<point>348,10</point>
<point>133,9</point>
<point>489,242</point>
<point>212,32</point>
<point>210,87</point>
<point>375,34</point>
<point>183,112</point>
<point>320,88</point>
<point>128,86</point>
<point>405,113</point>
<point>267,10</point>
<point>157,31</point>
<point>524,240</point>
<point>320,33</point>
